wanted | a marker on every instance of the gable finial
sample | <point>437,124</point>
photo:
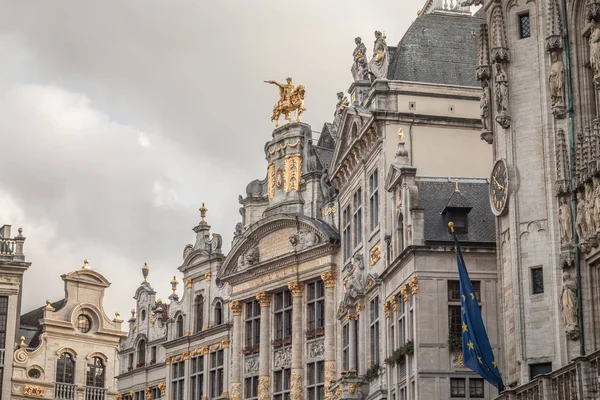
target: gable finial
<point>456,189</point>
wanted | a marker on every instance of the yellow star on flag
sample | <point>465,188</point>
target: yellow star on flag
<point>471,346</point>
<point>465,327</point>
<point>495,364</point>
<point>463,310</point>
<point>479,359</point>
<point>464,298</point>
<point>472,296</point>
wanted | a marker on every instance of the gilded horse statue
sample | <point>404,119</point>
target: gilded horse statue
<point>291,98</point>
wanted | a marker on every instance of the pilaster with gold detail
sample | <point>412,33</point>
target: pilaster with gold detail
<point>329,278</point>
<point>235,376</point>
<point>264,363</point>
<point>297,376</point>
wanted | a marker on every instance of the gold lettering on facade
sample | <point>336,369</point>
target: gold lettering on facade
<point>329,210</point>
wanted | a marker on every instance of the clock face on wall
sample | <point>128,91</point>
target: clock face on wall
<point>499,187</point>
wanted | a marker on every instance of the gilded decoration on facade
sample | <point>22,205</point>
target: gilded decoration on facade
<point>264,299</point>
<point>329,378</point>
<point>36,391</point>
<point>375,254</point>
<point>329,278</point>
<point>264,384</point>
<point>394,303</point>
<point>338,391</point>
<point>352,388</point>
<point>291,98</point>
<point>414,285</point>
<point>271,180</point>
<point>404,292</point>
<point>188,283</point>
<point>149,394</point>
<point>207,276</point>
<point>281,147</point>
<point>387,309</point>
<point>279,179</point>
<point>297,392</point>
<point>330,210</point>
<point>163,388</point>
<point>293,170</point>
<point>236,391</point>
<point>297,288</point>
<point>236,307</point>
<point>200,351</point>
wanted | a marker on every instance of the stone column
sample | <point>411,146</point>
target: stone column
<point>352,330</point>
<point>236,351</point>
<point>297,378</point>
<point>264,359</point>
<point>329,278</point>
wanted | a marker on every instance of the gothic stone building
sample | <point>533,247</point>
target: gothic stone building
<point>341,282</point>
<point>68,348</point>
<point>539,63</point>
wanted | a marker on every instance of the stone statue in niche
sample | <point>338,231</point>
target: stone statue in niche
<point>580,221</point>
<point>568,306</point>
<point>359,67</point>
<point>501,95</point>
<point>311,163</point>
<point>565,220</point>
<point>557,81</point>
<point>595,51</point>
<point>330,191</point>
<point>484,105</point>
<point>589,209</point>
<point>596,185</point>
<point>316,349</point>
<point>379,64</point>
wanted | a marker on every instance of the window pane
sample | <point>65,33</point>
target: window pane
<point>537,278</point>
<point>457,387</point>
<point>475,387</point>
<point>525,25</point>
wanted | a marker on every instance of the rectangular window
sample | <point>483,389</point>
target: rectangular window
<point>177,380</point>
<point>454,290</point>
<point>153,354</point>
<point>346,234</point>
<point>251,388</point>
<point>3,320</point>
<point>316,309</point>
<point>197,377</point>
<point>537,279</point>
<point>454,321</point>
<point>281,385</point>
<point>252,326</point>
<point>460,219</point>
<point>476,388</point>
<point>130,362</point>
<point>315,380</point>
<point>374,314</point>
<point>140,395</point>
<point>283,318</point>
<point>357,218</point>
<point>524,25</point>
<point>216,373</point>
<point>538,369</point>
<point>374,199</point>
<point>457,387</point>
<point>346,347</point>
<point>156,393</point>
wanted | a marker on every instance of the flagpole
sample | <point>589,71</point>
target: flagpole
<point>459,254</point>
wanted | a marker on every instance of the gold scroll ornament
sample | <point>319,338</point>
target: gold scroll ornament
<point>293,170</point>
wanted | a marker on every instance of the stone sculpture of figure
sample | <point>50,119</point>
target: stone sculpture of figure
<point>597,202</point>
<point>311,163</point>
<point>379,64</point>
<point>359,53</point>
<point>341,104</point>
<point>565,220</point>
<point>501,89</point>
<point>354,283</point>
<point>329,190</point>
<point>238,230</point>
<point>568,306</point>
<point>595,50</point>
<point>362,69</point>
<point>589,209</point>
<point>557,80</point>
<point>291,98</point>
<point>580,221</point>
<point>484,105</point>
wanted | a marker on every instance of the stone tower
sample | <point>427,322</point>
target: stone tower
<point>538,62</point>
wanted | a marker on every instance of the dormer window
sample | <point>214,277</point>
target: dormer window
<point>457,211</point>
<point>460,218</point>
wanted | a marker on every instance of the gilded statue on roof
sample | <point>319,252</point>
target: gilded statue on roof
<point>291,98</point>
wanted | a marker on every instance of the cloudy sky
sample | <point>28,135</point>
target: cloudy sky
<point>118,118</point>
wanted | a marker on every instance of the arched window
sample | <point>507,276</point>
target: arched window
<point>95,373</point>
<point>218,314</point>
<point>179,326</point>
<point>141,353</point>
<point>65,369</point>
<point>199,309</point>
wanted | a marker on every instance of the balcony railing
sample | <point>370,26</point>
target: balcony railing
<point>64,391</point>
<point>576,381</point>
<point>7,246</point>
<point>94,393</point>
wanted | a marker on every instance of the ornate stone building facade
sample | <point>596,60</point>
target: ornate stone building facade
<point>12,268</point>
<point>539,62</point>
<point>71,352</point>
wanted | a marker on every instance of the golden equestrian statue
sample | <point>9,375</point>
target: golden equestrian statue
<point>290,98</point>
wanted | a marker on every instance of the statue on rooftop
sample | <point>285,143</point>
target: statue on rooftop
<point>379,64</point>
<point>341,104</point>
<point>291,98</point>
<point>359,66</point>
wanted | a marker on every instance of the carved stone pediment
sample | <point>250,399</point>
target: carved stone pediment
<point>276,242</point>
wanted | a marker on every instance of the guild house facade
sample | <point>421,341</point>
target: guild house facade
<point>341,281</point>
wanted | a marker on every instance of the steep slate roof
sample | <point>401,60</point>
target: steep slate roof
<point>434,196</point>
<point>31,319</point>
<point>439,47</point>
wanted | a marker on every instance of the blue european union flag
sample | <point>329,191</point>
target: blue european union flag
<point>477,352</point>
